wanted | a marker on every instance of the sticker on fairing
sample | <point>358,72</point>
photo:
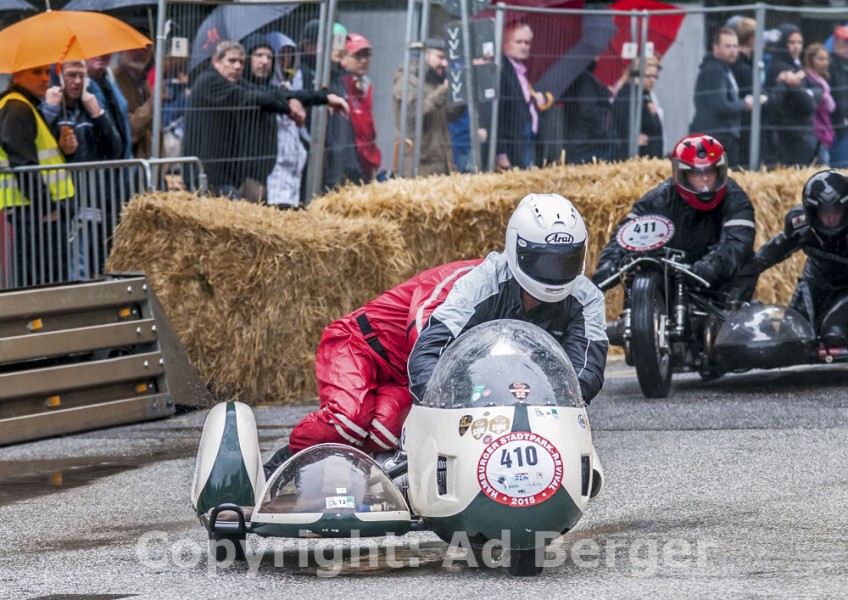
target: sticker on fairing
<point>333,502</point>
<point>499,425</point>
<point>519,390</point>
<point>645,233</point>
<point>520,469</point>
<point>479,427</point>
<point>477,392</point>
<point>464,423</point>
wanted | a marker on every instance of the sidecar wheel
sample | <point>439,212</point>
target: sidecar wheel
<point>522,563</point>
<point>649,342</point>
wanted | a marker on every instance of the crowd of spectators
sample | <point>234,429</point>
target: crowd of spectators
<point>245,113</point>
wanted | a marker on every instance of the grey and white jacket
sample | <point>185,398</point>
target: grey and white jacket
<point>491,292</point>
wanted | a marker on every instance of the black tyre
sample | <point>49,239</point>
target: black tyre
<point>222,549</point>
<point>649,339</point>
<point>522,563</point>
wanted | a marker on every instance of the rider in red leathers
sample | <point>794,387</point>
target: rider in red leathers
<point>361,367</point>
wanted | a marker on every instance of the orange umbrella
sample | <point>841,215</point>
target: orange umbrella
<point>58,36</point>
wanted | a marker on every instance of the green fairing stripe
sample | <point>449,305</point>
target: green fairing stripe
<point>485,519</point>
<point>228,481</point>
<point>520,420</point>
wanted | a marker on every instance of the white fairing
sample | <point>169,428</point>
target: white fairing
<point>597,486</point>
<point>504,411</point>
<point>431,432</point>
<point>210,444</point>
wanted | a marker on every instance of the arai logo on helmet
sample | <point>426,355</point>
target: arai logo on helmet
<point>559,238</point>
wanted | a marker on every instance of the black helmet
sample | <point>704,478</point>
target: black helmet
<point>825,199</point>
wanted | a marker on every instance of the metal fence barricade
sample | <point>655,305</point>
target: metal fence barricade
<point>241,138</point>
<point>607,106</point>
<point>59,227</point>
<point>178,174</point>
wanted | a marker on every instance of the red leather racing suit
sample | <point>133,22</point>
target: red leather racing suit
<point>361,364</point>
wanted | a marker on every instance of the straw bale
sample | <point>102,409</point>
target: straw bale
<point>249,289</point>
<point>450,217</point>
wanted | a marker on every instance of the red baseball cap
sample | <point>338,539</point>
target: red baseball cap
<point>841,32</point>
<point>355,42</point>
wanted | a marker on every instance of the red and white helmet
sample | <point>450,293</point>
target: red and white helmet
<point>699,154</point>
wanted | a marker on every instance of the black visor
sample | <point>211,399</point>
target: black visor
<point>554,264</point>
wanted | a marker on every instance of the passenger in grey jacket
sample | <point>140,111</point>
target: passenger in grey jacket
<point>538,279</point>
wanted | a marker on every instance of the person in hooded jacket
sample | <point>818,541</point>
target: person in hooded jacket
<point>261,128</point>
<point>789,136</point>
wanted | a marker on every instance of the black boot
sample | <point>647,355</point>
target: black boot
<point>280,456</point>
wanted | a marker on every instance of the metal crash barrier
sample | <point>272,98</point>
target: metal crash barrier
<point>82,356</point>
<point>58,221</point>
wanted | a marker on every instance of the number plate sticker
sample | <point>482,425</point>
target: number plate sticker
<point>645,233</point>
<point>520,469</point>
<point>333,502</point>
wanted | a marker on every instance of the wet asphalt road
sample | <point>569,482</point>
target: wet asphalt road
<point>734,488</point>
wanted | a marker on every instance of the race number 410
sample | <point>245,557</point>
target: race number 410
<point>520,472</point>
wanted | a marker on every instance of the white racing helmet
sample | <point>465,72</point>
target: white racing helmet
<point>546,246</point>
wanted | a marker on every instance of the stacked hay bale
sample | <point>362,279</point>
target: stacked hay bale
<point>446,218</point>
<point>249,289</point>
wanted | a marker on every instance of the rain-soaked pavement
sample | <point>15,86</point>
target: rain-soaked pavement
<point>731,488</point>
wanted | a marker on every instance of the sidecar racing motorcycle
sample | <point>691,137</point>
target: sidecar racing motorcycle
<point>673,322</point>
<point>500,449</point>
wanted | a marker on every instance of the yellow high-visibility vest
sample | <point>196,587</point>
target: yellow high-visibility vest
<point>57,180</point>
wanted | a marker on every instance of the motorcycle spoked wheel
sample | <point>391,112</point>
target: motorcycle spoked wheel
<point>650,349</point>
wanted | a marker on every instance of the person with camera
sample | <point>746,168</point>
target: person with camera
<point>70,107</point>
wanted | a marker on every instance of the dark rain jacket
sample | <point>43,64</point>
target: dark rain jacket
<point>97,138</point>
<point>722,238</point>
<point>824,279</point>
<point>218,124</point>
<point>718,106</point>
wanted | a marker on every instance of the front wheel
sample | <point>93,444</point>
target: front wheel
<point>649,337</point>
<point>522,563</point>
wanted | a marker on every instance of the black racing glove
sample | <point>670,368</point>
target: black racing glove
<point>706,269</point>
<point>604,271</point>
